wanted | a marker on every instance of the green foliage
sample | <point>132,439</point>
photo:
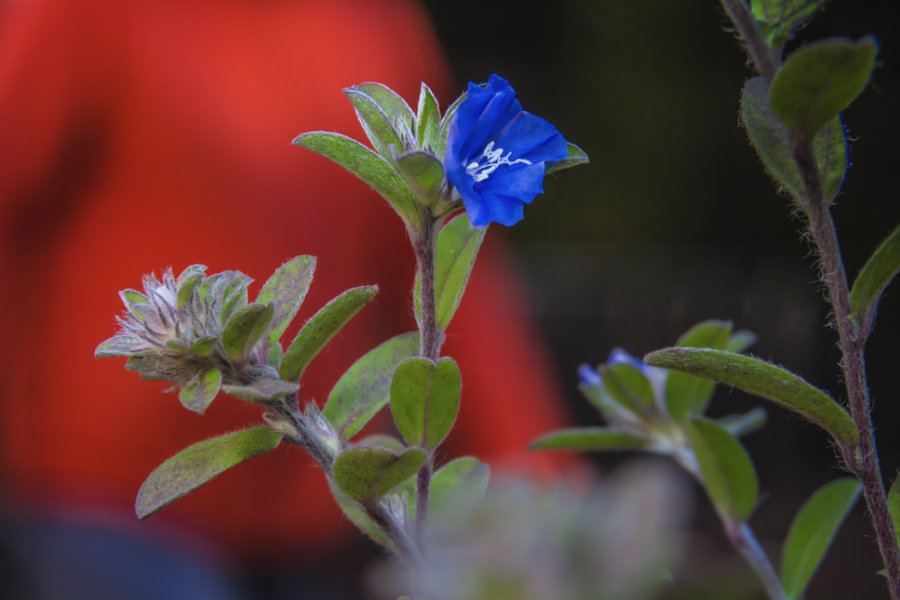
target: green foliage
<point>245,328</point>
<point>394,106</point>
<point>287,288</point>
<point>628,387</point>
<point>425,400</point>
<point>813,530</point>
<point>366,165</point>
<point>428,120</point>
<point>234,296</point>
<point>379,440</point>
<point>780,17</point>
<point>365,388</point>
<point>319,330</point>
<point>445,125</point>
<point>186,290</point>
<point>458,486</point>
<point>741,425</point>
<point>820,80</point>
<point>726,469</point>
<point>357,515</point>
<point>423,173</point>
<point>378,126</point>
<point>590,438</point>
<point>878,272</point>
<point>894,504</point>
<point>457,248</point>
<point>765,380</point>
<point>199,464</point>
<point>367,474</point>
<point>200,391</point>
<point>686,394</point>
<point>740,341</point>
<point>262,391</point>
<point>575,157</point>
<point>770,138</point>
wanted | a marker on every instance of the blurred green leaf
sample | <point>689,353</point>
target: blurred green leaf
<point>894,504</point>
<point>378,126</point>
<point>245,328</point>
<point>458,486</point>
<point>589,438</point>
<point>740,341</point>
<point>379,440</point>
<point>686,394</point>
<point>878,272</point>
<point>262,390</point>
<point>425,400</point>
<point>132,297</point>
<point>741,425</point>
<point>785,14</point>
<point>365,388</point>
<point>198,464</point>
<point>423,173</point>
<point>287,288</point>
<point>201,390</point>
<point>366,165</point>
<point>319,330</point>
<point>575,157</point>
<point>762,379</point>
<point>457,248</point>
<point>813,530</point>
<point>367,474</point>
<point>428,121</point>
<point>357,515</point>
<point>820,80</point>
<point>770,138</point>
<point>726,468</point>
<point>186,289</point>
<point>395,107</point>
<point>204,346</point>
<point>628,386</point>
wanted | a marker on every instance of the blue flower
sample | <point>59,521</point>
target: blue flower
<point>496,153</point>
<point>619,356</point>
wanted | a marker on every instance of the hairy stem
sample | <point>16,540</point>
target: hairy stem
<point>763,57</point>
<point>405,548</point>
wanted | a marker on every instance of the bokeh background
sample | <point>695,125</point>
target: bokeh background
<point>675,221</point>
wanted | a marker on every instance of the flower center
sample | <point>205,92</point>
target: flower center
<point>492,160</point>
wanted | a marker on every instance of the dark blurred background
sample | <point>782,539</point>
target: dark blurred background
<point>675,221</point>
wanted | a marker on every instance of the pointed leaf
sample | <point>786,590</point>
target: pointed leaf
<point>366,474</point>
<point>287,288</point>
<point>728,473</point>
<point>788,14</point>
<point>186,289</point>
<point>589,438</point>
<point>423,173</point>
<point>762,379</point>
<point>365,388</point>
<point>395,107</point>
<point>366,165</point>
<point>262,390</point>
<point>457,248</point>
<point>741,425</point>
<point>575,157</point>
<point>189,272</point>
<point>820,80</point>
<point>234,297</point>
<point>628,386</point>
<point>813,530</point>
<point>206,345</point>
<point>770,138</point>
<point>377,125</point>
<point>740,341</point>
<point>425,400</point>
<point>199,464</point>
<point>686,394</point>
<point>446,120</point>
<point>428,121</point>
<point>357,515</point>
<point>245,328</point>
<point>458,486</point>
<point>878,272</point>
<point>201,390</point>
<point>319,330</point>
<point>379,440</point>
<point>118,345</point>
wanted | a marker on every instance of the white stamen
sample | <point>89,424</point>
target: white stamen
<point>494,159</point>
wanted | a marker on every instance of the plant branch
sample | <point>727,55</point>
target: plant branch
<point>745,543</point>
<point>762,55</point>
<point>404,547</point>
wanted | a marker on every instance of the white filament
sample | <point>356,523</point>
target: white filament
<point>493,160</point>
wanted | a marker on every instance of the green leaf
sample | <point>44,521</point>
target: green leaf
<point>367,474</point>
<point>686,394</point>
<point>245,328</point>
<point>199,464</point>
<point>378,126</point>
<point>287,288</point>
<point>200,391</point>
<point>812,531</point>
<point>425,400</point>
<point>457,248</point>
<point>628,386</point>
<point>366,165</point>
<point>446,120</point>
<point>262,390</point>
<point>589,438</point>
<point>423,173</point>
<point>428,121</point>
<point>357,515</point>
<point>379,440</point>
<point>118,345</point>
<point>740,341</point>
<point>395,107</point>
<point>458,486</point>
<point>186,290</point>
<point>319,330</point>
<point>786,15</point>
<point>894,504</point>
<point>875,276</point>
<point>234,297</point>
<point>820,80</point>
<point>762,379</point>
<point>575,157</point>
<point>130,298</point>
<point>725,467</point>
<point>206,345</point>
<point>189,272</point>
<point>770,138</point>
<point>365,388</point>
<point>741,425</point>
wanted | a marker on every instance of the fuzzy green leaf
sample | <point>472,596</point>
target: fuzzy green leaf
<point>199,464</point>
<point>365,388</point>
<point>423,173</point>
<point>425,400</point>
<point>628,386</point>
<point>366,165</point>
<point>395,107</point>
<point>785,14</point>
<point>206,345</point>
<point>186,289</point>
<point>762,379</point>
<point>575,157</point>
<point>894,504</point>
<point>380,128</point>
<point>201,390</point>
<point>589,438</point>
<point>813,530</point>
<point>118,345</point>
<point>319,330</point>
<point>262,390</point>
<point>820,80</point>
<point>367,474</point>
<point>726,468</point>
<point>234,296</point>
<point>287,288</point>
<point>357,515</point>
<point>446,120</point>
<point>457,248</point>
<point>245,328</point>
<point>130,298</point>
<point>379,440</point>
<point>428,121</point>
<point>878,272</point>
<point>458,486</point>
<point>686,394</point>
<point>770,138</point>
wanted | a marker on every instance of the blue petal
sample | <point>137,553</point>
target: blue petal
<point>532,138</point>
<point>588,376</point>
<point>619,356</point>
<point>519,181</point>
<point>502,106</point>
<point>492,207</point>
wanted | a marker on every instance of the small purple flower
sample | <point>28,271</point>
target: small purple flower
<point>589,376</point>
<point>497,153</point>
